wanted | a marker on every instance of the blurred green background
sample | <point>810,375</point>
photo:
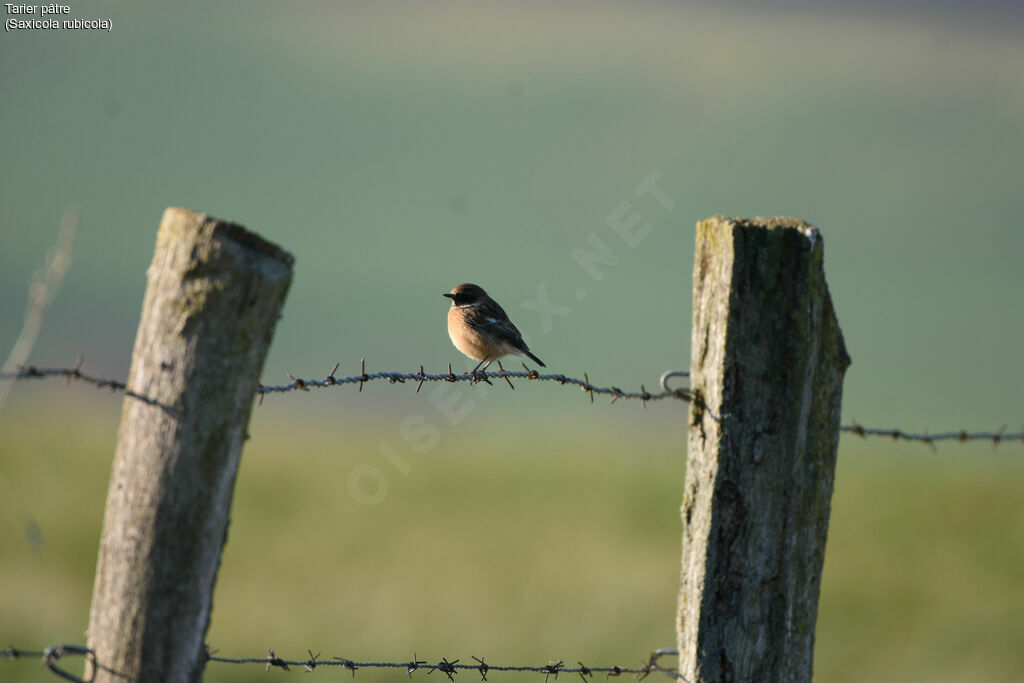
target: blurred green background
<point>397,149</point>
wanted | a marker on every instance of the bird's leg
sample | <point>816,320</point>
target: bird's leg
<point>481,374</point>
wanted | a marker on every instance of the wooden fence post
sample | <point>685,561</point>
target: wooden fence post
<point>767,368</point>
<point>214,296</point>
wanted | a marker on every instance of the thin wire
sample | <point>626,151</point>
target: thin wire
<point>420,377</point>
<point>297,384</point>
<point>448,667</point>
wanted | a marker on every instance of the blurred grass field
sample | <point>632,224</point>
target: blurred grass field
<point>521,545</point>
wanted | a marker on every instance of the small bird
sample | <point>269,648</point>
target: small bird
<point>480,328</point>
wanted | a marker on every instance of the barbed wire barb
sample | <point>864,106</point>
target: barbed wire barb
<point>510,386</point>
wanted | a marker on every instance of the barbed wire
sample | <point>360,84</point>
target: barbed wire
<point>75,373</point>
<point>51,655</point>
<point>450,668</point>
<point>69,374</point>
<point>420,377</point>
<point>929,439</point>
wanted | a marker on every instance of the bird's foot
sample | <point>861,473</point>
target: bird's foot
<point>479,376</point>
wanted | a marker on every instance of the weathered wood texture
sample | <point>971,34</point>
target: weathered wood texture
<point>767,368</point>
<point>215,293</point>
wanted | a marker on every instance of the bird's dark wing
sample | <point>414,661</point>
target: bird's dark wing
<point>490,319</point>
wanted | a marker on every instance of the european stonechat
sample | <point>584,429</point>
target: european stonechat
<point>480,328</point>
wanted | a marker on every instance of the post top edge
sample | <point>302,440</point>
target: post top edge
<point>767,222</point>
<point>231,230</point>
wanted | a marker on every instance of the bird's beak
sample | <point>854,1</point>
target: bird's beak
<point>449,295</point>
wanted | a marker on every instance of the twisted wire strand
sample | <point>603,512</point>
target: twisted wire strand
<point>76,374</point>
<point>450,668</point>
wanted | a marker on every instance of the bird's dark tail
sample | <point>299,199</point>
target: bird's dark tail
<point>534,358</point>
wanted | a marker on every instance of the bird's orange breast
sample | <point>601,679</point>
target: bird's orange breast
<point>466,339</point>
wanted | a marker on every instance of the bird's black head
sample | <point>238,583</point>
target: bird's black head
<point>466,293</point>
